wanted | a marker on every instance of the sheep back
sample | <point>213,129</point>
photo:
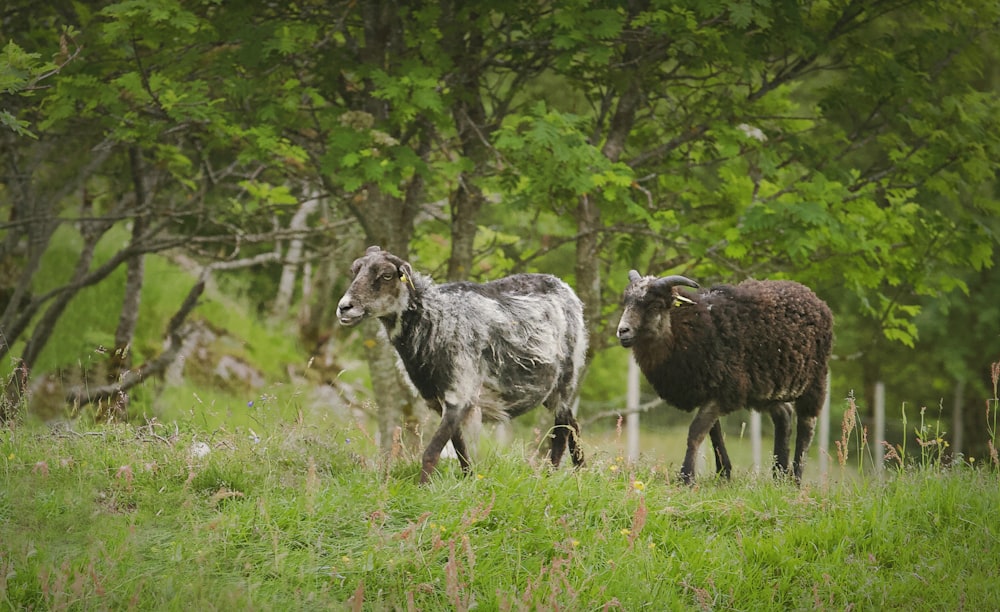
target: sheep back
<point>508,342</point>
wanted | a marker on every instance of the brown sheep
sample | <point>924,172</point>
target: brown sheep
<point>763,345</point>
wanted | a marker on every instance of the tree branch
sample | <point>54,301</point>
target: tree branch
<point>82,395</point>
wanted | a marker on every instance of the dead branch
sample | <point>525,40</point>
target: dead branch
<point>82,395</point>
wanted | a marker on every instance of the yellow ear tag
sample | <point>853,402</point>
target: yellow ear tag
<point>678,303</point>
<point>402,278</point>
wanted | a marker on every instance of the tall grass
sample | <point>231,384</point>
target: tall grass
<point>285,514</point>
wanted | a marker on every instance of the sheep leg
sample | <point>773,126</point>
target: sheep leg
<point>450,421</point>
<point>704,421</point>
<point>566,434</point>
<point>781,415</point>
<point>723,466</point>
<point>458,443</point>
<point>803,437</point>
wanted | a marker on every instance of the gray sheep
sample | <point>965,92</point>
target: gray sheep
<point>763,345</point>
<point>492,351</point>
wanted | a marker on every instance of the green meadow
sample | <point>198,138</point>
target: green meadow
<point>291,515</point>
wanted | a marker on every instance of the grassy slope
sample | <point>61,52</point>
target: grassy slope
<point>121,517</point>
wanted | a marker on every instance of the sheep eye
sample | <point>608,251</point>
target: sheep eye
<point>388,276</point>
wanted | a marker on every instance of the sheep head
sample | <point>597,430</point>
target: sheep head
<point>647,302</point>
<point>381,287</point>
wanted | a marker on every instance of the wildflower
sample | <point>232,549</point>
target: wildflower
<point>638,485</point>
<point>575,543</point>
<point>652,545</point>
<point>613,468</point>
<point>345,559</point>
<point>479,476</point>
<point>626,532</point>
<point>250,404</point>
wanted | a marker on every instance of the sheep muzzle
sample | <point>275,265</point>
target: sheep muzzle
<point>348,314</point>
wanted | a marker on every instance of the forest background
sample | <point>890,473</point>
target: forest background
<point>183,185</point>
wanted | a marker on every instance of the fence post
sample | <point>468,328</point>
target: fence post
<point>632,410</point>
<point>755,443</point>
<point>824,430</point>
<point>957,421</point>
<point>879,452</point>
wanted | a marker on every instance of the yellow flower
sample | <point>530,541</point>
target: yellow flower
<point>613,468</point>
<point>575,543</point>
<point>626,532</point>
<point>479,476</point>
<point>345,559</point>
<point>638,485</point>
<point>652,545</point>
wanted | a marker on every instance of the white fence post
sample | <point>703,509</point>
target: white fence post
<point>879,453</point>
<point>957,421</point>
<point>632,410</point>
<point>824,431</point>
<point>755,443</point>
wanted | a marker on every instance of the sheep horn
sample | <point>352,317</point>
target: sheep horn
<point>633,275</point>
<point>668,282</point>
<point>372,249</point>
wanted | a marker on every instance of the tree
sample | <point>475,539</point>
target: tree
<point>851,145</point>
<point>166,157</point>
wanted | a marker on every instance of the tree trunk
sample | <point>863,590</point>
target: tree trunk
<point>35,212</point>
<point>588,264</point>
<point>466,202</point>
<point>121,357</point>
<point>588,268</point>
<point>389,224</point>
<point>293,257</point>
<point>469,116</point>
<point>92,231</point>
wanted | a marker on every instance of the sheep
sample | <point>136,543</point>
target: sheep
<point>763,345</point>
<point>489,351</point>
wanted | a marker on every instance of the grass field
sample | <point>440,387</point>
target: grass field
<point>304,516</point>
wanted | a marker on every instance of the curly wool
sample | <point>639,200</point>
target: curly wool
<point>763,345</point>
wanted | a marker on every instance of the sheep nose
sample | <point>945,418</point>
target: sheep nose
<point>344,306</point>
<point>346,311</point>
<point>625,336</point>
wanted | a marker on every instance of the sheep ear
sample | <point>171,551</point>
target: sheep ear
<point>633,275</point>
<point>406,274</point>
<point>372,249</point>
<point>681,300</point>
